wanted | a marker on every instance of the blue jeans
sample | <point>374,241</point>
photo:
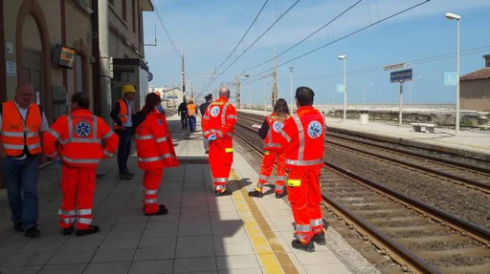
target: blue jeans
<point>124,149</point>
<point>192,123</point>
<point>21,178</point>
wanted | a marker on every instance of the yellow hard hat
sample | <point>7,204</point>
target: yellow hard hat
<point>158,93</point>
<point>128,88</point>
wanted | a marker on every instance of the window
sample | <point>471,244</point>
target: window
<point>134,8</point>
<point>124,10</point>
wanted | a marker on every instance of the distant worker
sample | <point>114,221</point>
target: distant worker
<point>160,107</point>
<point>202,109</point>
<point>304,142</point>
<point>218,125</point>
<point>191,114</point>
<point>155,152</point>
<point>79,137</point>
<point>123,114</point>
<point>270,132</point>
<point>21,124</point>
<point>182,112</point>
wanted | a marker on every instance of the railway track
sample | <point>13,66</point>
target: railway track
<point>473,177</point>
<point>419,237</point>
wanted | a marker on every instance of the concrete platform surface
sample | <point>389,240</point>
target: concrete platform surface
<point>201,234</point>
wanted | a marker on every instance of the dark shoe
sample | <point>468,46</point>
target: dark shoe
<point>68,231</point>
<point>19,227</point>
<point>84,232</point>
<point>280,195</point>
<point>256,193</point>
<point>32,232</point>
<point>125,176</point>
<point>161,211</point>
<point>127,172</point>
<point>221,193</point>
<point>320,239</point>
<point>309,247</point>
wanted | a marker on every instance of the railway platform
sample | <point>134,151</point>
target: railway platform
<point>472,144</point>
<point>201,234</point>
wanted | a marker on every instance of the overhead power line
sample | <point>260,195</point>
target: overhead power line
<point>309,36</point>
<point>166,31</point>
<point>424,60</point>
<point>256,40</point>
<point>238,44</point>
<point>343,37</point>
<point>245,34</point>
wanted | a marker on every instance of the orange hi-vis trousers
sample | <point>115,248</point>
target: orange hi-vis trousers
<point>268,161</point>
<point>305,196</point>
<point>220,161</point>
<point>151,184</point>
<point>78,187</point>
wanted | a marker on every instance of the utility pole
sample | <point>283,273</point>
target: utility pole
<point>237,95</point>
<point>192,89</point>
<point>183,74</point>
<point>274,86</point>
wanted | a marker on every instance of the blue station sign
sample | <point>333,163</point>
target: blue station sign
<point>401,75</point>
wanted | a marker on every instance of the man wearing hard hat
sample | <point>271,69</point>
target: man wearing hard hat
<point>123,114</point>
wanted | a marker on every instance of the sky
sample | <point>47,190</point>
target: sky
<point>209,30</point>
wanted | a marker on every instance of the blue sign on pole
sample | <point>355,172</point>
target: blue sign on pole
<point>450,79</point>
<point>340,88</point>
<point>401,75</point>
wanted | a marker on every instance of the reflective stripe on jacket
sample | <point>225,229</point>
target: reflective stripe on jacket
<point>304,139</point>
<point>273,137</point>
<point>154,143</point>
<point>17,133</point>
<point>80,137</point>
<point>219,118</point>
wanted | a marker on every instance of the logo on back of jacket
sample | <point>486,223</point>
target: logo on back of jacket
<point>314,129</point>
<point>277,126</point>
<point>83,129</point>
<point>214,111</point>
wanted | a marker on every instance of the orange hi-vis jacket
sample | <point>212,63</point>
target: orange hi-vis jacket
<point>17,133</point>
<point>80,137</point>
<point>191,110</point>
<point>154,143</point>
<point>123,113</point>
<point>272,140</point>
<point>219,118</point>
<point>304,139</point>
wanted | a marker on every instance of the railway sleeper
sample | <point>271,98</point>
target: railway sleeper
<point>439,255</point>
<point>432,239</point>
<point>475,269</point>
<point>399,221</point>
<point>411,228</point>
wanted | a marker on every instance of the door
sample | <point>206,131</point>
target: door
<point>32,73</point>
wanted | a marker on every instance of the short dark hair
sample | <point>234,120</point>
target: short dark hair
<point>81,100</point>
<point>305,95</point>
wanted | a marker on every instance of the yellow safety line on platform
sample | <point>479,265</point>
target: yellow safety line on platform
<point>269,250</point>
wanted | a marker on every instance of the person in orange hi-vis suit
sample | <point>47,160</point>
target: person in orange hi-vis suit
<point>270,132</point>
<point>155,152</point>
<point>303,142</point>
<point>75,140</point>
<point>218,124</point>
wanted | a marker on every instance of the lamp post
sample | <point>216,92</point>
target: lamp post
<point>452,16</point>
<point>364,95</point>
<point>344,57</point>
<point>291,68</point>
